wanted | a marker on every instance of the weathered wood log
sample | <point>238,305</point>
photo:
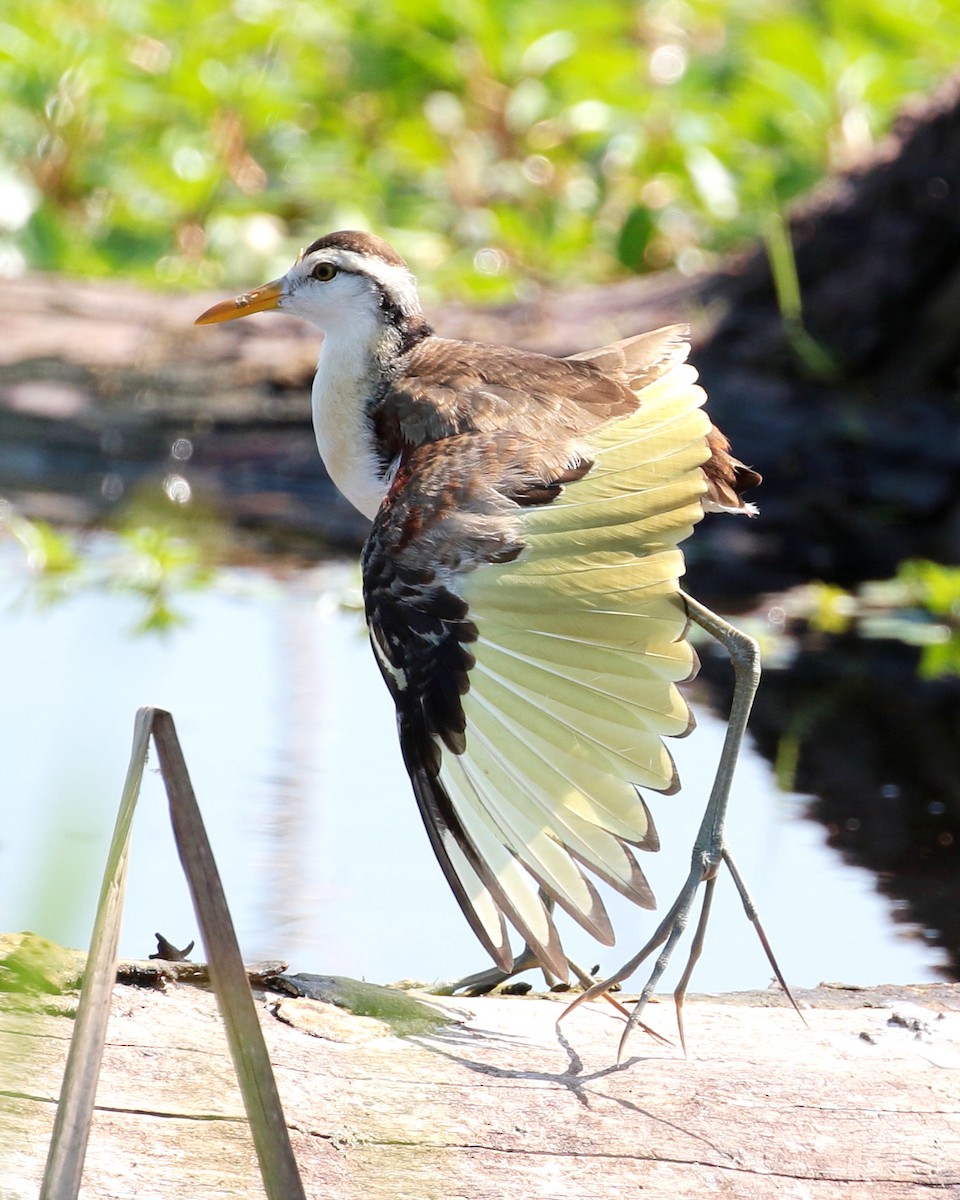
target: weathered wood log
<point>105,390</point>
<point>501,1102</point>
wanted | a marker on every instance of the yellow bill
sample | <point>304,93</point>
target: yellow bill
<point>260,300</point>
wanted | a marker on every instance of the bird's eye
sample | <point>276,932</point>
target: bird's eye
<point>324,272</point>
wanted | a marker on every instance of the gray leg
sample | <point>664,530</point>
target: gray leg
<point>709,849</point>
<point>485,981</point>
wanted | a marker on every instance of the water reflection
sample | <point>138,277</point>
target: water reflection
<point>290,738</point>
<point>879,748</point>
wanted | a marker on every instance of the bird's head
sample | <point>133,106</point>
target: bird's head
<point>342,279</point>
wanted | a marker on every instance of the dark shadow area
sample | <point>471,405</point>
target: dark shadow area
<point>879,750</point>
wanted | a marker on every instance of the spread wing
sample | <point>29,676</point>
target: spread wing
<point>523,604</point>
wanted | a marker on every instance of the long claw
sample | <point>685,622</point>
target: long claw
<point>754,918</point>
<point>696,948</point>
<point>485,981</point>
<point>587,982</point>
<point>598,989</point>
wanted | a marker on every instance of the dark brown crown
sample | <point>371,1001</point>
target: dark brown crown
<point>359,243</point>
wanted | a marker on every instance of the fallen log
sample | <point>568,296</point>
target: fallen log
<point>499,1101</point>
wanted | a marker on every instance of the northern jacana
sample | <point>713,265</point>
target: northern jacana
<point>522,588</point>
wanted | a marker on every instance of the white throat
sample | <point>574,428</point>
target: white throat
<point>347,374</point>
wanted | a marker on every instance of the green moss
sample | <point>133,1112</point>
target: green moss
<point>34,966</point>
<point>406,1016</point>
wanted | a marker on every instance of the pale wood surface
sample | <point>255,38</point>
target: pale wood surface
<point>501,1105</point>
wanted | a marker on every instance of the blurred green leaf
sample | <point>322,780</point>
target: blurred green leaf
<point>635,235</point>
<point>941,658</point>
<point>155,562</point>
<point>832,609</point>
<point>933,586</point>
<point>136,134</point>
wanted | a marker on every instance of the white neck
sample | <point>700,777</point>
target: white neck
<point>348,372</point>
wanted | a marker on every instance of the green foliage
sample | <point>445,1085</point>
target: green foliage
<point>935,590</point>
<point>498,144</point>
<point>920,606</point>
<point>51,555</point>
<point>813,357</point>
<point>155,561</point>
<point>158,565</point>
<point>831,609</point>
<point>934,587</point>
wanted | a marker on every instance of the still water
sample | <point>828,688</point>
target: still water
<point>289,736</point>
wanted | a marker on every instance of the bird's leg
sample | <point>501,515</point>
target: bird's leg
<point>696,945</point>
<point>485,981</point>
<point>709,849</point>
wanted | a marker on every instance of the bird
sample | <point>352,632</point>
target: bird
<point>522,593</point>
